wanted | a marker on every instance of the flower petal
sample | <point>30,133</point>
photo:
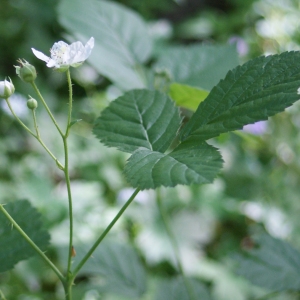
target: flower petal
<point>52,63</point>
<point>90,43</point>
<point>40,55</point>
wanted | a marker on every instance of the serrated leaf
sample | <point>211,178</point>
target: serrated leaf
<point>176,289</point>
<point>198,65</point>
<point>249,93</point>
<point>119,264</point>
<point>187,164</point>
<point>13,247</point>
<point>273,264</point>
<point>139,118</point>
<point>187,96</point>
<point>121,38</point>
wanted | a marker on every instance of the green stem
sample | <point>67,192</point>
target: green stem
<point>67,178</point>
<point>105,232</point>
<point>70,277</point>
<point>174,246</point>
<point>37,135</point>
<point>70,102</point>
<point>47,108</point>
<point>17,118</point>
<point>32,244</point>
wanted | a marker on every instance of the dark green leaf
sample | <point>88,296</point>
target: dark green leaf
<point>260,88</point>
<point>187,96</point>
<point>121,38</point>
<point>273,264</point>
<point>187,164</point>
<point>176,289</point>
<point>140,118</point>
<point>120,266</point>
<point>199,65</point>
<point>13,247</point>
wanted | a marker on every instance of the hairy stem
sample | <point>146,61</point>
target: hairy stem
<point>32,244</point>
<point>105,232</point>
<point>175,247</point>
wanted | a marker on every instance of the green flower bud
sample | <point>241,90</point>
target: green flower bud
<point>32,103</point>
<point>26,71</point>
<point>6,88</point>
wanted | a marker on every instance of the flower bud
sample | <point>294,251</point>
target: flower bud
<point>6,88</point>
<point>32,103</point>
<point>26,71</point>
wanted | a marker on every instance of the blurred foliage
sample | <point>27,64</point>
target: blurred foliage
<point>257,191</point>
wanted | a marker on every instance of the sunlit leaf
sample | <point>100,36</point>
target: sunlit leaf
<point>121,38</point>
<point>13,247</point>
<point>140,118</point>
<point>249,93</point>
<point>187,96</point>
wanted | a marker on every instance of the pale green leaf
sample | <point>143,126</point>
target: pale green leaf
<point>272,264</point>
<point>176,289</point>
<point>187,164</point>
<point>119,265</point>
<point>121,38</point>
<point>249,93</point>
<point>13,247</point>
<point>198,65</point>
<point>139,118</point>
<point>187,96</point>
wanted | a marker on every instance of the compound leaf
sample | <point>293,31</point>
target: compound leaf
<point>139,118</point>
<point>13,247</point>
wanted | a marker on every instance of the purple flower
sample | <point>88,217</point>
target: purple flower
<point>257,128</point>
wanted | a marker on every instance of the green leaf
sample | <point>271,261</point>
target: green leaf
<point>199,65</point>
<point>121,38</point>
<point>120,266</point>
<point>187,96</point>
<point>139,118</point>
<point>175,289</point>
<point>273,264</point>
<point>187,164</point>
<point>249,93</point>
<point>13,247</point>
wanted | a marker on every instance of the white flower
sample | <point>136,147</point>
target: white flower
<point>63,55</point>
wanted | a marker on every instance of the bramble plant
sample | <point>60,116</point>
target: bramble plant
<point>146,122</point>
